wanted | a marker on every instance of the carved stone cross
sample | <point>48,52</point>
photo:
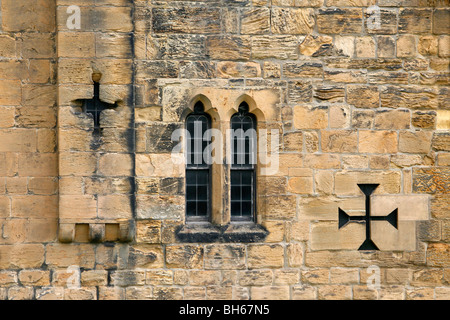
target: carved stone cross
<point>344,218</point>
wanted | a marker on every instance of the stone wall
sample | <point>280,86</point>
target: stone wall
<point>356,91</point>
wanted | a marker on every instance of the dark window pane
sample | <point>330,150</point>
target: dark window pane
<point>235,192</point>
<point>202,208</point>
<point>191,193</point>
<point>235,208</point>
<point>202,192</point>
<point>246,208</point>
<point>191,208</point>
<point>246,193</point>
<point>235,177</point>
<point>246,177</point>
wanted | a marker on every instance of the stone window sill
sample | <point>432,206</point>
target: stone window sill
<point>247,232</point>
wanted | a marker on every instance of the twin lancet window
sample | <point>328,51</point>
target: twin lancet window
<point>242,182</point>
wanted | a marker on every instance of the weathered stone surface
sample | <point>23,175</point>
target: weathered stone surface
<point>341,141</point>
<point>381,21</point>
<point>411,97</point>
<point>441,141</point>
<point>362,96</point>
<point>406,46</point>
<point>292,20</point>
<point>315,46</point>
<point>378,141</point>
<point>184,256</point>
<point>414,142</point>
<point>227,69</point>
<point>255,21</point>
<point>346,181</point>
<point>339,21</point>
<point>414,21</point>
<point>278,47</point>
<point>431,180</point>
<point>299,91</point>
<point>424,119</point>
<point>365,47</point>
<point>386,46</point>
<point>441,22</point>
<point>228,47</point>
<point>392,119</point>
<point>306,117</point>
<point>186,20</point>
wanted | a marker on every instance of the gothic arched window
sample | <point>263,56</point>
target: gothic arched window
<point>242,170</point>
<point>198,171</point>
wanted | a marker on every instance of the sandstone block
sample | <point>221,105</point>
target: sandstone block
<point>363,119</point>
<point>346,181</point>
<point>424,119</point>
<point>377,141</point>
<point>414,21</point>
<point>37,164</point>
<point>322,161</point>
<point>406,46</point>
<point>334,292</point>
<point>330,93</point>
<point>78,206</point>
<point>186,20</point>
<point>8,46</point>
<point>306,117</point>
<point>265,256</point>
<point>114,164</point>
<point>441,141</point>
<point>299,91</point>
<point>11,92</point>
<point>441,23</point>
<point>365,47</point>
<point>385,21</point>
<point>301,185</point>
<point>238,70</point>
<point>115,206</point>
<point>160,207</point>
<point>76,44</point>
<point>431,180</point>
<point>411,97</point>
<point>35,16</point>
<point>339,141</point>
<point>77,163</point>
<point>415,142</point>
<point>392,119</point>
<point>302,70</point>
<point>255,277</point>
<point>347,76</point>
<point>339,21</point>
<point>255,20</point>
<point>303,292</point>
<point>270,293</point>
<point>184,256</point>
<point>386,47</point>
<point>326,236</point>
<point>35,206</point>
<point>228,47</point>
<point>279,207</point>
<point>292,20</point>
<point>315,46</point>
<point>278,46</point>
<point>444,46</point>
<point>34,277</point>
<point>227,256</point>
<point>428,45</point>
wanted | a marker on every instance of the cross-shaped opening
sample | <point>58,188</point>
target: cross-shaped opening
<point>95,107</point>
